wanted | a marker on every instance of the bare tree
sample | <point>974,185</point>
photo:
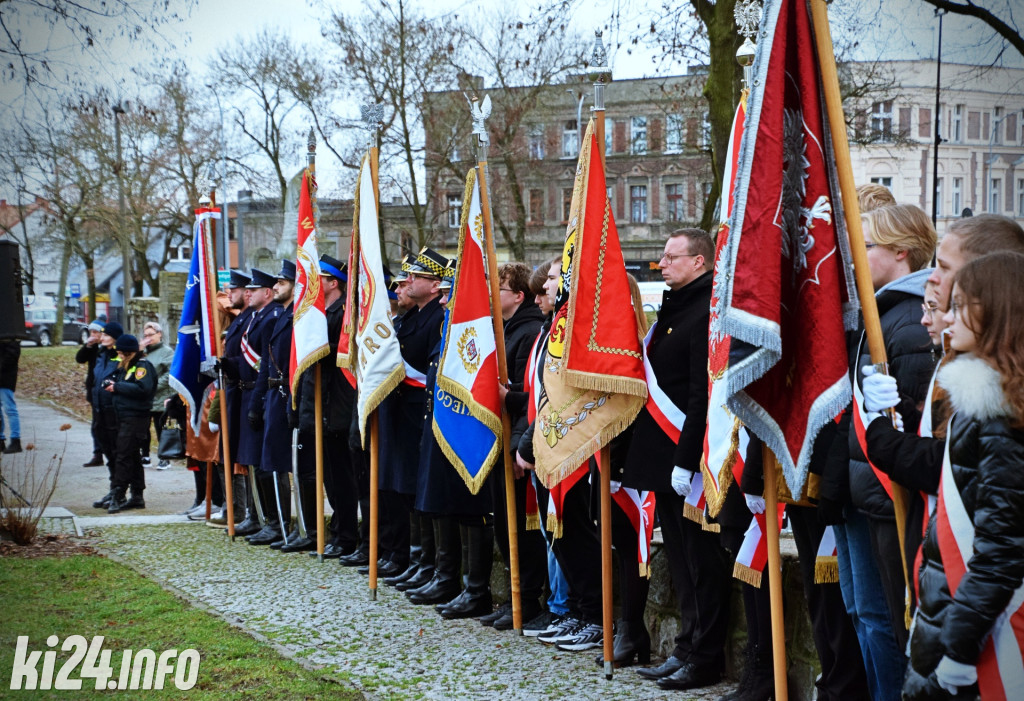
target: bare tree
<point>1005,26</point>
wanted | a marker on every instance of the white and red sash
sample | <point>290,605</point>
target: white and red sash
<point>530,383</point>
<point>248,352</point>
<point>413,377</point>
<point>753,553</point>
<point>532,505</point>
<point>860,427</point>
<point>666,414</point>
<point>639,509</point>
<point>826,560</point>
<point>1001,664</point>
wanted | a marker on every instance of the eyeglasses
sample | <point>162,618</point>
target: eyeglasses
<point>672,259</point>
<point>150,333</point>
<point>869,246</point>
<point>957,306</point>
<point>505,289</point>
<point>930,310</point>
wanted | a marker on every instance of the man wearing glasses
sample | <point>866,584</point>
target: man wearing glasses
<point>160,357</point>
<point>667,461</point>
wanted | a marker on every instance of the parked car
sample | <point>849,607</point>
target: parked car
<point>39,325</point>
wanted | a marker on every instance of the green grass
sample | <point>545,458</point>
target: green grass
<point>89,595</point>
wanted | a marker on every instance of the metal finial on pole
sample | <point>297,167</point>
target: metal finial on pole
<point>311,148</point>
<point>748,15</point>
<point>598,71</point>
<point>479,112</point>
<point>372,116</point>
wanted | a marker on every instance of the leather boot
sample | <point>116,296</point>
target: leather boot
<point>425,569</point>
<point>632,641</point>
<point>444,586</point>
<point>307,498</point>
<point>415,553</point>
<point>136,501</point>
<point>271,530</point>
<point>251,524</point>
<point>284,492</point>
<point>761,682</point>
<point>104,501</point>
<point>475,599</point>
<point>118,501</point>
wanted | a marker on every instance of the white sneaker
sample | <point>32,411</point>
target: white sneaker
<point>163,465</point>
<point>588,637</point>
<point>566,628</point>
<point>146,461</point>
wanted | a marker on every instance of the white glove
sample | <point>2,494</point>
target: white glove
<point>615,486</point>
<point>754,503</point>
<point>880,391</point>
<point>897,421</point>
<point>214,427</point>
<point>681,481</point>
<point>951,675</point>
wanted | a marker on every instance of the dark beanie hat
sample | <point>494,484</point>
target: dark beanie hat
<point>113,329</point>
<point>127,343</point>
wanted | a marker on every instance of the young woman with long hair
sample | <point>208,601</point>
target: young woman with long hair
<point>969,625</point>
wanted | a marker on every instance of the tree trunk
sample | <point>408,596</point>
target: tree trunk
<point>90,284</point>
<point>65,261</point>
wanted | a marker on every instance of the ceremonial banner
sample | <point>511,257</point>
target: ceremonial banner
<point>378,357</point>
<point>309,324</point>
<point>346,356</point>
<point>196,336</point>
<point>467,407</point>
<point>593,375</point>
<point>784,284</point>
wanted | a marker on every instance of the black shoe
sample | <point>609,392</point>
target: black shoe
<point>136,502</point>
<point>403,575</point>
<point>97,461</point>
<point>299,545</point>
<point>266,535</point>
<point>104,502</point>
<point>466,605</point>
<point>358,558</point>
<point>690,676</point>
<point>331,552</point>
<point>118,503</point>
<point>490,618</point>
<point>530,610</point>
<point>438,591</point>
<point>247,527</point>
<point>293,535</point>
<point>385,568</point>
<point>13,447</point>
<point>667,668</point>
<point>421,576</point>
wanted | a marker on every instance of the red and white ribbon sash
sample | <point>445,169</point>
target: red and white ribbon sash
<point>753,553</point>
<point>666,414</point>
<point>530,381</point>
<point>1001,664</point>
<point>860,428</point>
<point>248,352</point>
<point>413,377</point>
<point>639,509</point>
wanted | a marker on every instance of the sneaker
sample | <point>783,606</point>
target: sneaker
<point>586,638</point>
<point>566,628</point>
<point>163,465</point>
<point>539,624</point>
<point>146,461</point>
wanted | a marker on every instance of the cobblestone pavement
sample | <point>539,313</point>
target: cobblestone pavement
<point>387,648</point>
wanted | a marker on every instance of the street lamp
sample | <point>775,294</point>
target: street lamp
<point>938,122</point>
<point>126,261</point>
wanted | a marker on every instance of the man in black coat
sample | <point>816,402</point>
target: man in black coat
<point>403,412</point>
<point>700,567</point>
<point>86,355</point>
<point>338,398</point>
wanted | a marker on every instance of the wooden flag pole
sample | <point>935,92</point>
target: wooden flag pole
<point>374,425</point>
<point>221,391</point>
<point>499,343</point>
<point>600,73</point>
<point>858,250</point>
<point>318,406</point>
<point>771,513</point>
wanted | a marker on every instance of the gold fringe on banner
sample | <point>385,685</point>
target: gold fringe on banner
<point>826,569</point>
<point>746,574</point>
<point>554,526</point>
<point>693,513</point>
<point>645,570</point>
<point>533,522</point>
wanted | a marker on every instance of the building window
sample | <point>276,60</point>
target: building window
<point>885,181</point>
<point>454,211</point>
<point>566,203</point>
<point>608,140</point>
<point>1020,197</point>
<point>638,135</point>
<point>705,131</point>
<point>537,206</point>
<point>997,121</point>
<point>938,198</point>
<point>675,202</point>
<point>995,185</point>
<point>570,140</point>
<point>958,196</point>
<point>674,133</point>
<point>455,145</point>
<point>956,132</point>
<point>638,204</point>
<point>181,252</point>
<point>535,143</point>
<point>881,120</point>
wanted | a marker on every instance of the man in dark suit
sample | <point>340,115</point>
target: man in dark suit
<point>700,567</point>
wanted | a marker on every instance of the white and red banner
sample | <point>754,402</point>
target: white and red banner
<point>309,323</point>
<point>378,364</point>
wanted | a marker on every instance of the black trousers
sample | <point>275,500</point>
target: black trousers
<point>701,572</point>
<point>158,420</point>
<point>132,431</point>
<point>97,445</point>
<point>578,552</point>
<point>342,490</point>
<point>533,549</point>
<point>106,431</point>
<point>393,537</point>
<point>633,587</point>
<point>842,669</point>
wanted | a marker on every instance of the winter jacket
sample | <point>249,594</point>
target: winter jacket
<point>520,333</point>
<point>134,386</point>
<point>986,456</point>
<point>678,352</point>
<point>10,353</point>
<point>160,357</point>
<point>104,367</point>
<point>908,349</point>
<point>86,355</point>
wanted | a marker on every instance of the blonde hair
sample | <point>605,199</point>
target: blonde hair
<point>903,227</point>
<point>871,196</point>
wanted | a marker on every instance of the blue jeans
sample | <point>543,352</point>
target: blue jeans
<point>11,410</point>
<point>864,598</point>
<point>558,585</point>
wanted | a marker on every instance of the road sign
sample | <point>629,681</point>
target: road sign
<point>76,290</point>
<point>223,277</point>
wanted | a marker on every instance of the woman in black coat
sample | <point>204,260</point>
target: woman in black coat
<point>970,580</point>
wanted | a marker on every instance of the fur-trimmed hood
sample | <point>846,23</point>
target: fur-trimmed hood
<point>975,388</point>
